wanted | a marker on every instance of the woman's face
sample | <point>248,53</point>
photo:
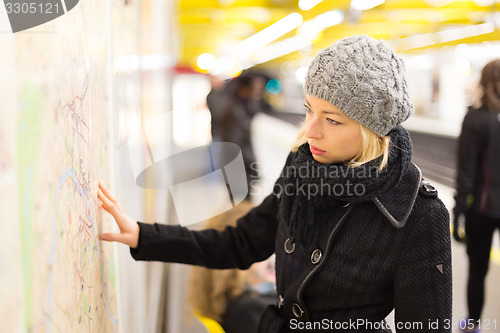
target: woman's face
<point>333,137</point>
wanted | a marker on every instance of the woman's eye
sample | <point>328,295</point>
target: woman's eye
<point>331,121</point>
<point>308,110</point>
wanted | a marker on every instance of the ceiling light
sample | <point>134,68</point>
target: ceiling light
<point>416,41</point>
<point>312,28</point>
<point>271,33</point>
<point>439,3</point>
<point>254,50</point>
<point>485,3</point>
<point>222,65</point>
<point>459,33</point>
<point>308,4</point>
<point>260,14</point>
<point>329,19</point>
<point>309,30</point>
<point>365,4</point>
<point>300,74</point>
<point>281,48</point>
<point>206,61</point>
<point>307,33</point>
<point>226,2</point>
<point>242,53</point>
<point>444,36</point>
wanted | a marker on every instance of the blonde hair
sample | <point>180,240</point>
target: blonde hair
<point>210,290</point>
<point>373,147</point>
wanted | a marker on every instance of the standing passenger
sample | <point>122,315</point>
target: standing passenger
<point>231,121</point>
<point>217,101</point>
<point>478,188</point>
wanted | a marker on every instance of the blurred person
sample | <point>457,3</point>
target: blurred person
<point>257,102</point>
<point>232,119</point>
<point>217,101</point>
<point>234,298</point>
<point>477,195</point>
<point>356,230</point>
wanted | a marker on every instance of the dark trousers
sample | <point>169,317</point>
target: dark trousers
<point>479,230</point>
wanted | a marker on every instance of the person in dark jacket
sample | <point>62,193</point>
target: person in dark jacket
<point>231,119</point>
<point>356,230</point>
<point>217,103</point>
<point>478,188</point>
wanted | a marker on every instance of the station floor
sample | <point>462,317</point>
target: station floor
<point>272,141</point>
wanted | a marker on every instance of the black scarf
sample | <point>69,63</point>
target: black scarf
<point>310,186</point>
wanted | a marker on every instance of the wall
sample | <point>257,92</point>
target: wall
<point>56,142</point>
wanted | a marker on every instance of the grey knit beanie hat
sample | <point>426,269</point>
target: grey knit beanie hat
<point>365,79</point>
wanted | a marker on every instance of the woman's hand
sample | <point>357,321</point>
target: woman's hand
<point>129,229</point>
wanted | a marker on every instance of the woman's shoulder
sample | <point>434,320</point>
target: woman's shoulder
<point>412,198</point>
<point>428,196</point>
<point>476,116</point>
<point>428,206</point>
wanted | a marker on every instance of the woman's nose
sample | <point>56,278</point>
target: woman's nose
<point>313,129</point>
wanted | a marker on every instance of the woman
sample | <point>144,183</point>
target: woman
<point>478,179</point>
<point>355,230</point>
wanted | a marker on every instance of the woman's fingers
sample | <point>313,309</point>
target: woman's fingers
<point>111,237</point>
<point>121,238</point>
<point>106,203</point>
<point>109,206</point>
<point>129,229</point>
<point>109,196</point>
<point>106,192</point>
<point>101,205</point>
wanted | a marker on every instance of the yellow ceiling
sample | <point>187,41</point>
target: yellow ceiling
<point>213,26</point>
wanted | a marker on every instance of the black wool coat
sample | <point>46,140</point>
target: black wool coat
<point>478,163</point>
<point>392,252</point>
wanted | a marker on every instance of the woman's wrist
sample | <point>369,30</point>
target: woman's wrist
<point>135,236</point>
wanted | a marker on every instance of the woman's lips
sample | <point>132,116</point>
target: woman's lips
<point>316,150</point>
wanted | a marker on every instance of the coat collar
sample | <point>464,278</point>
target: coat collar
<point>397,203</point>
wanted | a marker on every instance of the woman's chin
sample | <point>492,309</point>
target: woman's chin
<point>321,159</point>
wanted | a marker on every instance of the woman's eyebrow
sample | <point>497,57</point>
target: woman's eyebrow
<point>324,112</point>
<point>333,112</point>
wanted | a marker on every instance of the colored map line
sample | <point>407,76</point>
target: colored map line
<point>70,105</point>
<point>69,172</point>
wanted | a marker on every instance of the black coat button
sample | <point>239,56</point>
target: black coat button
<point>427,190</point>
<point>289,246</point>
<point>281,301</point>
<point>297,310</point>
<point>316,256</point>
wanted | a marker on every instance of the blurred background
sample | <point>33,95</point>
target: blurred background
<point>107,89</point>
